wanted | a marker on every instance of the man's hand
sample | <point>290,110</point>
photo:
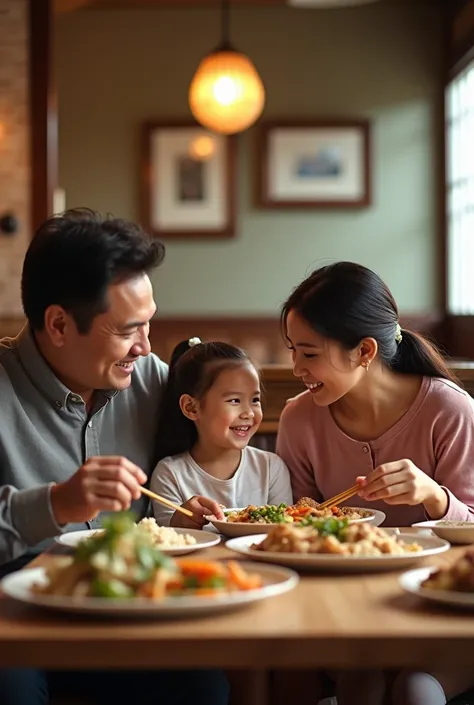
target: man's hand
<point>200,507</point>
<point>102,484</point>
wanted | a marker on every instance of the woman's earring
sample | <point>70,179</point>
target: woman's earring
<point>366,365</point>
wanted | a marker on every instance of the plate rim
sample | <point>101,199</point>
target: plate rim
<point>288,580</point>
<point>434,524</point>
<point>430,594</point>
<point>328,558</point>
<point>375,513</point>
<point>213,539</point>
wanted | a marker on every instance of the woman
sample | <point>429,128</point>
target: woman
<point>381,408</point>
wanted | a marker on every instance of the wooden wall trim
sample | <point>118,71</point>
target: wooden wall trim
<point>43,112</point>
<point>260,336</point>
<point>279,383</point>
<point>460,21</point>
<point>461,56</point>
<point>441,195</point>
<point>459,332</point>
<point>455,334</point>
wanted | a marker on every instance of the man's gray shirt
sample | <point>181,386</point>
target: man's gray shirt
<point>46,435</point>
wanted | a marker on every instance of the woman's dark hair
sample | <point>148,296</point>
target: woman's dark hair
<point>73,259</point>
<point>347,302</point>
<point>194,367</point>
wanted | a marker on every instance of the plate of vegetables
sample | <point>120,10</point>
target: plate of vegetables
<point>245,521</point>
<point>119,572</point>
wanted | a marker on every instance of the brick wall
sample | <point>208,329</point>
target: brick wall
<point>14,147</point>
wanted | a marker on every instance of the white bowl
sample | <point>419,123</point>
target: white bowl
<point>240,528</point>
<point>454,534</point>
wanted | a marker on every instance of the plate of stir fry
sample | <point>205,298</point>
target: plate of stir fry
<point>452,585</point>
<point>334,544</point>
<point>119,571</point>
<point>260,519</point>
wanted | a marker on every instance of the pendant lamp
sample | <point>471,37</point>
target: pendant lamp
<point>226,94</point>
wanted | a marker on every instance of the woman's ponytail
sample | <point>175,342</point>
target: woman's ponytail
<point>417,356</point>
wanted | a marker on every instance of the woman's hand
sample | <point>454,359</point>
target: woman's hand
<point>200,507</point>
<point>401,482</point>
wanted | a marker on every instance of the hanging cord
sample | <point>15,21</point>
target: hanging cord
<point>225,25</point>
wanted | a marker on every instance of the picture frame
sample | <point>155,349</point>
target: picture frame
<point>187,189</point>
<point>314,164</point>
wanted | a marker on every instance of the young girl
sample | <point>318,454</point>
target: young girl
<point>210,412</point>
<point>381,408</point>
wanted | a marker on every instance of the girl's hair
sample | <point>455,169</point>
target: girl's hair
<point>193,369</point>
<point>348,302</point>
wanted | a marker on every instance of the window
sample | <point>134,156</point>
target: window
<point>460,192</point>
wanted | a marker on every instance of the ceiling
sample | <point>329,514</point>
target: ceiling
<point>70,5</point>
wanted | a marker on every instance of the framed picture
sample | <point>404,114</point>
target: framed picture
<point>187,182</point>
<point>314,165</point>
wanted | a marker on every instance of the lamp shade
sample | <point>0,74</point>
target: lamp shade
<point>226,94</point>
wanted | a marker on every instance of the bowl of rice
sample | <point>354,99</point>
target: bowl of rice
<point>173,542</point>
<point>456,532</point>
<point>177,542</point>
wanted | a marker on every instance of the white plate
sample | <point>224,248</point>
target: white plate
<point>453,534</point>
<point>431,545</point>
<point>276,581</point>
<point>240,528</point>
<point>411,582</point>
<point>204,539</point>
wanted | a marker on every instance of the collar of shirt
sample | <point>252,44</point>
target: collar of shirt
<point>43,376</point>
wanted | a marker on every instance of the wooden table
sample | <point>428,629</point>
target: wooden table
<point>329,621</point>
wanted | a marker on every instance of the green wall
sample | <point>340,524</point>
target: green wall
<point>382,61</point>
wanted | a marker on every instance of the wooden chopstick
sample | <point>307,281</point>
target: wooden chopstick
<point>338,498</point>
<point>166,502</point>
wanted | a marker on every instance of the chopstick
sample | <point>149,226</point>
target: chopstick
<point>166,502</point>
<point>338,498</point>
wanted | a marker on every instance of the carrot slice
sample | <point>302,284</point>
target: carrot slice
<point>202,569</point>
<point>241,578</point>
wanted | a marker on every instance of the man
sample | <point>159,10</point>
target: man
<point>80,397</point>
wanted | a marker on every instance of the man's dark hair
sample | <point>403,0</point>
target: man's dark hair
<point>75,256</point>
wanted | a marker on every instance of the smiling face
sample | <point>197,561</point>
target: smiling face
<point>104,357</point>
<point>230,412</point>
<point>327,369</point>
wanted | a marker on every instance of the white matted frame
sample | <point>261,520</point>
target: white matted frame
<point>314,164</point>
<point>184,196</point>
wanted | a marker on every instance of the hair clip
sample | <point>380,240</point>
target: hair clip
<point>194,341</point>
<point>398,334</point>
